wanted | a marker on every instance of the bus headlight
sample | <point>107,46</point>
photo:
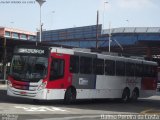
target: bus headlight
<point>42,86</point>
<point>9,83</point>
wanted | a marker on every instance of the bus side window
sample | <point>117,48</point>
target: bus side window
<point>98,66</point>
<point>109,67</point>
<point>85,65</point>
<point>74,64</point>
<point>57,69</point>
<point>130,69</point>
<point>139,70</point>
<point>120,68</point>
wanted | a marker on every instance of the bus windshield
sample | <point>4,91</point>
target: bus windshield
<point>28,68</point>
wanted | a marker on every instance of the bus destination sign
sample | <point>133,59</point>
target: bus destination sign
<point>40,51</point>
<point>32,51</point>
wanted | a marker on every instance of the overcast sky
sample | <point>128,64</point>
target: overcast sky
<point>59,14</point>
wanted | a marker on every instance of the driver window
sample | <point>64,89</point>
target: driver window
<point>57,69</point>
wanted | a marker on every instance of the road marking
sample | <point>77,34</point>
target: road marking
<point>37,109</point>
<point>145,111</point>
<point>151,111</point>
<point>72,118</point>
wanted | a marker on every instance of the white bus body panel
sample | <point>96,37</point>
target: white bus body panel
<point>41,95</point>
<point>62,50</point>
<point>55,94</point>
<point>44,94</point>
<point>110,82</point>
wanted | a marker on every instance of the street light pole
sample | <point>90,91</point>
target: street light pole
<point>40,28</point>
<point>104,12</point>
<point>40,2</point>
<point>109,37</point>
<point>127,22</point>
<point>52,25</point>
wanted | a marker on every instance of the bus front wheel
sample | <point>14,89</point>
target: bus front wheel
<point>70,95</point>
<point>125,95</point>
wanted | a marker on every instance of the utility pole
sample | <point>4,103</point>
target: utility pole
<point>40,2</point>
<point>4,60</point>
<point>97,30</point>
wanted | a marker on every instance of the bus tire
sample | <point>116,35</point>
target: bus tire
<point>36,101</point>
<point>125,95</point>
<point>70,95</point>
<point>135,95</point>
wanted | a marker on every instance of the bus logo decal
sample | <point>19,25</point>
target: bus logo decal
<point>83,81</point>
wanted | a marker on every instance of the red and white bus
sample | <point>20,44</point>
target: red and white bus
<point>44,73</point>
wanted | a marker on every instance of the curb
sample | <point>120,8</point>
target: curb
<point>3,86</point>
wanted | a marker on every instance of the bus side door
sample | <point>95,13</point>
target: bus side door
<point>59,77</point>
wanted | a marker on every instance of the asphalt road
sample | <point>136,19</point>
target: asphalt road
<point>12,108</point>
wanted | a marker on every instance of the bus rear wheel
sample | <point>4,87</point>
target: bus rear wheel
<point>125,95</point>
<point>70,96</point>
<point>135,95</point>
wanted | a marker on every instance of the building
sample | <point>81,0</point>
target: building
<point>17,34</point>
<point>83,37</point>
<point>130,40</point>
<point>10,37</point>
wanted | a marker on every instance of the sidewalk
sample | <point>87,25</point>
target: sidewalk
<point>2,84</point>
<point>3,87</point>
